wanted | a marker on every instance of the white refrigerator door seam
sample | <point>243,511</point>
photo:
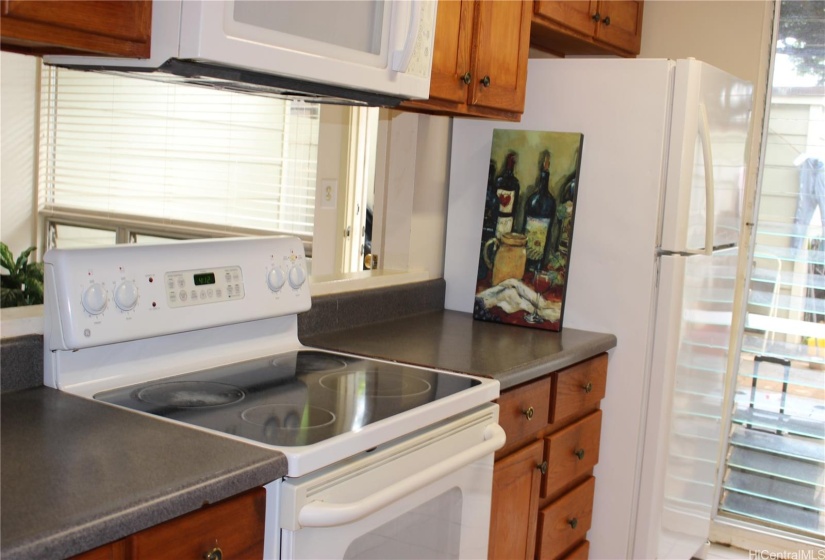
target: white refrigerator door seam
<point>707,159</point>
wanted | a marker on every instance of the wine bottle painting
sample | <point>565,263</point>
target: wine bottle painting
<point>527,232</point>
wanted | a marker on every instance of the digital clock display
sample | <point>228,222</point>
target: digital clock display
<point>204,278</point>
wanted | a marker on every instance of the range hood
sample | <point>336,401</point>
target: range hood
<point>353,52</point>
<point>228,78</point>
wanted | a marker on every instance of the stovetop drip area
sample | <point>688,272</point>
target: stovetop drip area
<point>290,399</point>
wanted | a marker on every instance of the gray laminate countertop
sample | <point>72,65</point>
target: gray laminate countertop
<point>77,474</point>
<point>454,341</point>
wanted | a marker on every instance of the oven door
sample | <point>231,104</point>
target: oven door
<point>424,496</point>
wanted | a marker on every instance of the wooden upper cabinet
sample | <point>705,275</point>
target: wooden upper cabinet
<point>621,25</point>
<point>588,27</point>
<point>502,41</point>
<point>576,15</point>
<point>451,51</point>
<point>90,27</point>
<point>474,40</point>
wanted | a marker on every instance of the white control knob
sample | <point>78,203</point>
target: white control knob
<point>275,279</point>
<point>126,295</point>
<point>94,299</point>
<point>296,277</point>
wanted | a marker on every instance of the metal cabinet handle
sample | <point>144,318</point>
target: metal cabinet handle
<point>606,20</point>
<point>587,388</point>
<point>573,523</point>
<point>485,81</point>
<point>542,467</point>
<point>467,78</point>
<point>214,554</point>
<point>579,453</point>
<point>596,17</point>
<point>529,413</point>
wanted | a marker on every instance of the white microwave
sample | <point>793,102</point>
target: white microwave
<point>375,52</point>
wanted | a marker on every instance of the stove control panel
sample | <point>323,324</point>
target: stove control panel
<point>197,287</point>
<point>128,292</point>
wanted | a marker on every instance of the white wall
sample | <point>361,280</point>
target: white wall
<point>725,33</point>
<point>18,83</point>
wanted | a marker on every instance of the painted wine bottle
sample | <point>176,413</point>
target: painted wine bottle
<point>488,228</point>
<point>539,213</point>
<point>507,191</point>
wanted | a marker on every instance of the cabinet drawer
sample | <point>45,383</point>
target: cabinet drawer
<point>571,452</point>
<point>235,525</point>
<point>566,521</point>
<point>524,411</point>
<point>579,388</point>
<point>581,552</point>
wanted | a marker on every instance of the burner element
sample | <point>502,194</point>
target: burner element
<point>288,417</point>
<point>375,384</point>
<point>311,362</point>
<point>290,425</point>
<point>190,394</point>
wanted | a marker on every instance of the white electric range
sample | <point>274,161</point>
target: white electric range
<point>384,460</point>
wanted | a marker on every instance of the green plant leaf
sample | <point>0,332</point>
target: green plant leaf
<point>23,261</point>
<point>34,292</point>
<point>10,297</point>
<point>23,285</point>
<point>7,259</point>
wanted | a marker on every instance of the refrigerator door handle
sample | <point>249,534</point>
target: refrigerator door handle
<point>707,158</point>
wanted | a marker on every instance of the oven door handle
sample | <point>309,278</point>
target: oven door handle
<point>324,514</point>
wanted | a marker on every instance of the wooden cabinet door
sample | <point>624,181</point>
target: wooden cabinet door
<point>451,51</point>
<point>577,15</point>
<point>502,39</point>
<point>621,24</point>
<point>79,27</point>
<point>516,481</point>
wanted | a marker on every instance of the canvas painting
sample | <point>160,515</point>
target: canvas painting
<point>527,231</point>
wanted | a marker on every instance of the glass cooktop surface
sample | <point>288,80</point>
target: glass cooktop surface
<point>291,399</point>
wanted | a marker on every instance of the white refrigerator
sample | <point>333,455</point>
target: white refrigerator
<point>653,261</point>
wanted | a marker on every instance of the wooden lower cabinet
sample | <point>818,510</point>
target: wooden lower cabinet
<point>516,482</point>
<point>543,482</point>
<point>232,527</point>
<point>564,523</point>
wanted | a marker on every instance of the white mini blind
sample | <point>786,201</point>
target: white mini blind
<point>119,148</point>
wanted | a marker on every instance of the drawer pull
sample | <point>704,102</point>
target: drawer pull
<point>214,554</point>
<point>467,78</point>
<point>587,388</point>
<point>573,523</point>
<point>579,453</point>
<point>529,413</point>
<point>542,467</point>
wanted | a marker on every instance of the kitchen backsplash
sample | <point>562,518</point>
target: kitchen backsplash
<point>21,358</point>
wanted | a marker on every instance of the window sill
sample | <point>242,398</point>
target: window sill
<point>364,280</point>
<point>22,321</point>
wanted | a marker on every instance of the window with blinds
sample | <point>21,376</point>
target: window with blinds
<point>775,474</point>
<point>153,160</point>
